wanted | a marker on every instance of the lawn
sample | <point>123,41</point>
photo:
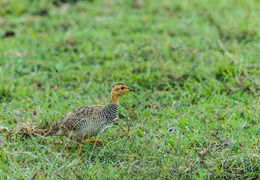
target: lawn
<point>194,67</point>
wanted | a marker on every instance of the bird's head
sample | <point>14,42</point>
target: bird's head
<point>119,89</point>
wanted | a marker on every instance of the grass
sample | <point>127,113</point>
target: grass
<point>194,66</point>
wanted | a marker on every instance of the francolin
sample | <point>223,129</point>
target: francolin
<point>86,122</point>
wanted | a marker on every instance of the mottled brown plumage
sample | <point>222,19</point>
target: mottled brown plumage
<point>85,122</point>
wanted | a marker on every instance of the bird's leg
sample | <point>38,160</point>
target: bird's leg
<point>80,149</point>
<point>99,142</point>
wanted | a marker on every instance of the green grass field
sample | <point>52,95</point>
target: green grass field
<point>194,66</point>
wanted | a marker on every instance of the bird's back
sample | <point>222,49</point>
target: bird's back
<point>81,118</point>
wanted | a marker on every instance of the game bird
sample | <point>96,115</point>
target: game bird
<point>86,122</point>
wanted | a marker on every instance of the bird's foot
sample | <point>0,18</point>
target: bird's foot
<point>98,141</point>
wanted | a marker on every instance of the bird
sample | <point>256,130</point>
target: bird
<point>83,123</point>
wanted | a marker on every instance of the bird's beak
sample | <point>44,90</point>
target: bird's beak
<point>130,89</point>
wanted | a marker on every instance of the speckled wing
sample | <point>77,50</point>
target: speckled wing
<point>72,119</point>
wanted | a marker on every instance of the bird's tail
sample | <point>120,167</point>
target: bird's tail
<point>26,129</point>
<point>52,130</point>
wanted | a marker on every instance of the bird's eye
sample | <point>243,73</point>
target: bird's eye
<point>122,88</point>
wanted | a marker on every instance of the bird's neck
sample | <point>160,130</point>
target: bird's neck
<point>114,99</point>
<point>110,113</point>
